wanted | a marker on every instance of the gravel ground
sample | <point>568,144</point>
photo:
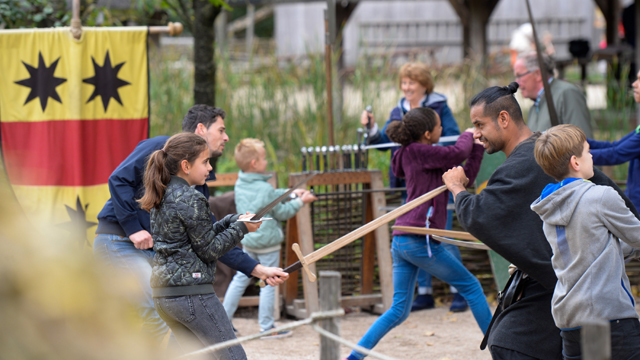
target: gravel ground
<point>428,334</point>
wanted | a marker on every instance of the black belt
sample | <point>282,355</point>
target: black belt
<point>511,294</point>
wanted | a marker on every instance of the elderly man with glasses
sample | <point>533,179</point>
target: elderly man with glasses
<point>570,102</point>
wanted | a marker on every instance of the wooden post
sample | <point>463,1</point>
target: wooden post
<point>251,11</point>
<point>329,74</point>
<point>330,293</point>
<point>368,249</point>
<point>474,16</point>
<point>595,341</point>
<point>221,29</point>
<point>383,243</point>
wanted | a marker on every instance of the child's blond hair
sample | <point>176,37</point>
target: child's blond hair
<point>555,147</point>
<point>247,150</point>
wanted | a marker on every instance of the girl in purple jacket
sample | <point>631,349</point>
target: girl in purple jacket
<point>422,164</point>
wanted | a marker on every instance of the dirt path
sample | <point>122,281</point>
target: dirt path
<point>428,334</point>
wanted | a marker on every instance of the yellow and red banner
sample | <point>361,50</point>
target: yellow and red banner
<point>70,112</point>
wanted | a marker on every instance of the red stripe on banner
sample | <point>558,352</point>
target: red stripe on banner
<point>68,152</point>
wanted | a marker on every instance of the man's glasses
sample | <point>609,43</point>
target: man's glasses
<point>521,75</point>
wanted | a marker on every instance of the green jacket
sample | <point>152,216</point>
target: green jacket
<point>186,243</point>
<point>571,107</point>
<point>252,193</point>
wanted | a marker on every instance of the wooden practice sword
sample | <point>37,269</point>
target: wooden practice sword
<point>445,236</point>
<point>304,261</point>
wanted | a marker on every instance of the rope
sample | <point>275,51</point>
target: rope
<point>226,344</point>
<point>358,348</point>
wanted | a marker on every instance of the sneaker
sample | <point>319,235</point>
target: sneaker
<point>423,302</point>
<point>459,304</point>
<point>276,335</point>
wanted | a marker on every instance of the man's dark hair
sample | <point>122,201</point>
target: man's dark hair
<point>497,99</point>
<point>201,114</point>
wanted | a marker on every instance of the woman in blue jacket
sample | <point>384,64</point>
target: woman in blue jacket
<point>621,151</point>
<point>416,84</point>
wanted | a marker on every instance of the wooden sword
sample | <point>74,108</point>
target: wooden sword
<point>446,236</point>
<point>335,245</point>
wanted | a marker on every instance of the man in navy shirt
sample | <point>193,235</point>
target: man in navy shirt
<point>123,239</point>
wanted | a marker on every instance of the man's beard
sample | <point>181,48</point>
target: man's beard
<point>215,153</point>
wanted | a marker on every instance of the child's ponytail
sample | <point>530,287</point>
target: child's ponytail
<point>156,179</point>
<point>413,125</point>
<point>166,162</point>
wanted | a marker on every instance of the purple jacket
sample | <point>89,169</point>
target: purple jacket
<point>422,167</point>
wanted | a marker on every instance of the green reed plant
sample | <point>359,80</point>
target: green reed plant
<point>284,103</point>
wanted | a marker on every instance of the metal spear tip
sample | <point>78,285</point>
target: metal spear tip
<point>344,148</point>
<point>324,149</point>
<point>355,147</point>
<point>310,149</point>
<point>360,131</point>
<point>369,109</point>
<point>317,149</point>
<point>303,151</point>
<point>330,148</point>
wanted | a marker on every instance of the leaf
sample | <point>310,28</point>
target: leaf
<point>221,3</point>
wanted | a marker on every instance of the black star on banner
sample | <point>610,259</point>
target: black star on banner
<point>106,81</point>
<point>78,223</point>
<point>42,82</point>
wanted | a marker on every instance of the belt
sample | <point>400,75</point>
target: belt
<point>509,295</point>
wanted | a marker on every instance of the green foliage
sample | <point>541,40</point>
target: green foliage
<point>16,14</point>
<point>284,104</point>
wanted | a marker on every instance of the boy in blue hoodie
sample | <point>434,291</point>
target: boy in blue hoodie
<point>252,193</point>
<point>590,231</point>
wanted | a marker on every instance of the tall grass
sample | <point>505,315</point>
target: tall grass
<point>284,103</point>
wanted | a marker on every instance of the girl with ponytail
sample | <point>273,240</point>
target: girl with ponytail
<point>187,245</point>
<point>422,165</point>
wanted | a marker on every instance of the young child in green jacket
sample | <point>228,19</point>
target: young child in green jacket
<point>252,193</point>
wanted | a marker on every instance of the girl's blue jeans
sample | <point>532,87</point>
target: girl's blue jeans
<point>409,254</point>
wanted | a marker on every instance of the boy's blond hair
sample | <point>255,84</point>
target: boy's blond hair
<point>555,147</point>
<point>247,150</point>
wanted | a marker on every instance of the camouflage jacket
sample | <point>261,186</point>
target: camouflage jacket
<point>186,243</point>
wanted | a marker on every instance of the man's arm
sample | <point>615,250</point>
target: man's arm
<point>240,261</point>
<point>618,152</point>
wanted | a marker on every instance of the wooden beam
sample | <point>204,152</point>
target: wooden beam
<point>611,11</point>
<point>368,250</point>
<point>244,21</point>
<point>461,9</point>
<point>383,242</point>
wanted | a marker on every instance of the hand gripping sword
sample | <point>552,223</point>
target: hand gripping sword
<point>305,261</point>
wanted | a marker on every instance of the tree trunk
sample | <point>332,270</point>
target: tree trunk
<point>204,90</point>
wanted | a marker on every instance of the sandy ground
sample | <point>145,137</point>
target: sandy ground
<point>427,334</point>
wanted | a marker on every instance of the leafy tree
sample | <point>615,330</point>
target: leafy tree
<point>16,14</point>
<point>198,17</point>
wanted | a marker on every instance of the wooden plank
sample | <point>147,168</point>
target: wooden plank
<point>446,233</point>
<point>229,179</point>
<point>305,239</point>
<point>225,179</point>
<point>336,178</point>
<point>368,250</point>
<point>362,300</point>
<point>383,242</point>
<point>291,285</point>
